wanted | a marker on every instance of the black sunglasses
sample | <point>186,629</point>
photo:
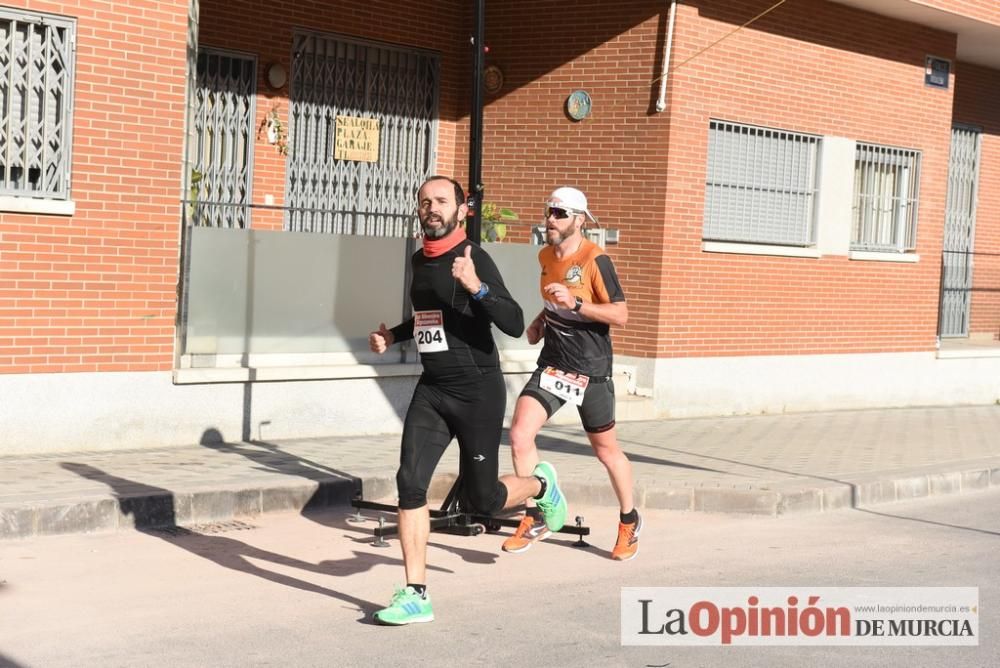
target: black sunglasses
<point>558,212</point>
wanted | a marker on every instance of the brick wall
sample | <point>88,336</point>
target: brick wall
<point>815,67</point>
<point>617,155</point>
<point>95,291</point>
<point>977,103</point>
<point>810,66</point>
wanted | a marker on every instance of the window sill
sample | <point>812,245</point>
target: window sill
<point>54,207</point>
<point>263,370</point>
<point>875,256</point>
<point>758,249</point>
<point>973,346</point>
<point>971,353</point>
<point>280,373</point>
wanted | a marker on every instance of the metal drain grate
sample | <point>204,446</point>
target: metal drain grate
<point>206,529</point>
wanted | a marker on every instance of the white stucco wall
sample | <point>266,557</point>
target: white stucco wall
<point>104,411</point>
<point>689,387</point>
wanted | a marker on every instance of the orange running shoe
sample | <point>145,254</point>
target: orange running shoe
<point>628,540</point>
<point>528,531</point>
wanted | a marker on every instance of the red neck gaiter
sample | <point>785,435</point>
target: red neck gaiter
<point>436,247</point>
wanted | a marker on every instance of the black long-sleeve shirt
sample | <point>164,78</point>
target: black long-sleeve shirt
<point>471,349</point>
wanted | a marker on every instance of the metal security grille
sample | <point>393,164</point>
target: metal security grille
<point>886,183</point>
<point>36,86</point>
<point>334,76</point>
<point>222,146</point>
<point>761,185</point>
<point>959,232</point>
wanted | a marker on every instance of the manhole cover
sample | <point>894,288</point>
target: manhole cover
<point>207,529</point>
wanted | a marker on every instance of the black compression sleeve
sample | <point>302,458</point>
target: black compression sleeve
<point>403,331</point>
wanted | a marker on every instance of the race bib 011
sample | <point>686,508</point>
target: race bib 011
<point>563,385</point>
<point>428,331</point>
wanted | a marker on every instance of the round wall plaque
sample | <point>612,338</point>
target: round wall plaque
<point>492,79</point>
<point>277,77</point>
<point>578,105</point>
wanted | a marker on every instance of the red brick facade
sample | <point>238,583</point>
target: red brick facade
<point>266,30</point>
<point>819,68</point>
<point>618,155</point>
<point>810,66</point>
<point>96,291</point>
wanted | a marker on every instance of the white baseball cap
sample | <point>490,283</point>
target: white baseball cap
<point>571,198</point>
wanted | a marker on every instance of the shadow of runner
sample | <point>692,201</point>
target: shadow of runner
<point>931,522</point>
<point>272,458</point>
<point>152,511</point>
<point>468,555</point>
<point>549,443</point>
<point>8,663</point>
<point>852,487</point>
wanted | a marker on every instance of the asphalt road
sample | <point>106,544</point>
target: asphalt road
<point>287,590</point>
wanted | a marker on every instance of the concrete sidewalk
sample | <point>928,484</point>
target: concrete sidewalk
<point>764,465</point>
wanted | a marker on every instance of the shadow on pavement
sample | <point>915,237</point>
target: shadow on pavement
<point>554,444</point>
<point>467,555</point>
<point>931,522</point>
<point>791,474</point>
<point>8,663</point>
<point>270,457</point>
<point>153,513</point>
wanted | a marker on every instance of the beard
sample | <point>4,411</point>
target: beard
<point>446,227</point>
<point>555,236</point>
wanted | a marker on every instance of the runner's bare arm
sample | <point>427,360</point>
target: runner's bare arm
<point>536,330</point>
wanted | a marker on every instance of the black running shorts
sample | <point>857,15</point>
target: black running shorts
<point>597,413</point>
<point>471,412</point>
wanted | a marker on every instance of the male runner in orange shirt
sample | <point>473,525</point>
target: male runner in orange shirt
<point>583,299</point>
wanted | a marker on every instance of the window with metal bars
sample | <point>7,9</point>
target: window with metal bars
<point>760,185</point>
<point>221,150</point>
<point>36,85</point>
<point>397,86</point>
<point>886,184</point>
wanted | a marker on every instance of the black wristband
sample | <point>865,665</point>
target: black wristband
<point>579,305</point>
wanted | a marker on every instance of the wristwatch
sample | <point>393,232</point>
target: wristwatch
<point>579,305</point>
<point>483,291</point>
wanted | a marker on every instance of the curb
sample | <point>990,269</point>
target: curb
<point>190,508</point>
<point>794,497</point>
<point>183,508</point>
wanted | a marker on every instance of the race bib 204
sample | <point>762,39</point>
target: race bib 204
<point>428,331</point>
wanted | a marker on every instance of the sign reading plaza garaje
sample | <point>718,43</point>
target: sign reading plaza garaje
<point>356,139</point>
<point>800,616</point>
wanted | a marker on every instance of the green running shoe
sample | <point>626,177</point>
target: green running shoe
<point>407,607</point>
<point>553,504</point>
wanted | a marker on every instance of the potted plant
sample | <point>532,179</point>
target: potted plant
<point>274,130</point>
<point>494,219</point>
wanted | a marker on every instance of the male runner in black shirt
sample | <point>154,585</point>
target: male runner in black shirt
<point>457,294</point>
